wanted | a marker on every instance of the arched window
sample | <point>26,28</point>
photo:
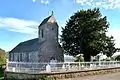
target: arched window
<point>42,33</point>
<point>10,57</point>
<point>21,57</point>
<point>39,33</point>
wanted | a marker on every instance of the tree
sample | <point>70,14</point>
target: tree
<point>117,58</point>
<point>85,33</point>
<point>109,46</point>
<point>2,57</point>
<point>79,58</point>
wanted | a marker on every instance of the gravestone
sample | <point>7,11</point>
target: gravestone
<point>48,68</point>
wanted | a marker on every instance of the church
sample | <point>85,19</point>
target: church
<point>42,49</point>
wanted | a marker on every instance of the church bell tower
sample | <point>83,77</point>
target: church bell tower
<point>48,40</point>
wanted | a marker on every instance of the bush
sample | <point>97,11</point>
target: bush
<point>44,78</point>
<point>1,73</point>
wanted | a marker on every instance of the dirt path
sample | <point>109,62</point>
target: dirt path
<point>113,76</point>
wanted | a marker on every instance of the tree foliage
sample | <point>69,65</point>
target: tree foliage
<point>2,57</point>
<point>117,58</point>
<point>85,33</point>
<point>79,58</point>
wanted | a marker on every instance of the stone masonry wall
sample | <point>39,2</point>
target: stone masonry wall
<point>58,75</point>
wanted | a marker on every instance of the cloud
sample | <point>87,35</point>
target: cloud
<point>115,33</point>
<point>18,25</point>
<point>43,1</point>
<point>34,0</point>
<point>107,4</point>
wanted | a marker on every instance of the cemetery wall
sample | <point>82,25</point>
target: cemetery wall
<point>58,75</point>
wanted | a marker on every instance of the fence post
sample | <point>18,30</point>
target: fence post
<point>7,69</point>
<point>48,68</point>
<point>16,67</point>
<point>79,65</point>
<point>63,67</point>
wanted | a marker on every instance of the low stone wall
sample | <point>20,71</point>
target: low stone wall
<point>58,75</point>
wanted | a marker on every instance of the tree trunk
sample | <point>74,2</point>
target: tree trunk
<point>87,57</point>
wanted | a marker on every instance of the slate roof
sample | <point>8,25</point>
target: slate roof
<point>27,46</point>
<point>30,45</point>
<point>45,21</point>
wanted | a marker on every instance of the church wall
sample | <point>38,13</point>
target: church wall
<point>11,56</point>
<point>33,56</point>
<point>50,47</point>
<point>24,56</point>
<point>40,33</point>
<point>60,55</point>
<point>50,32</point>
<point>16,56</point>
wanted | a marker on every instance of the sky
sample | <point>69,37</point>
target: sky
<point>19,19</point>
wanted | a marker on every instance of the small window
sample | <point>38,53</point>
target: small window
<point>39,32</point>
<point>42,33</point>
<point>52,28</point>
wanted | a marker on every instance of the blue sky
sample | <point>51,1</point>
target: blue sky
<point>19,18</point>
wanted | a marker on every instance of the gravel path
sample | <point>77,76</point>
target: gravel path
<point>113,76</point>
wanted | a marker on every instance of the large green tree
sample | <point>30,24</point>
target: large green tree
<point>85,33</point>
<point>2,57</point>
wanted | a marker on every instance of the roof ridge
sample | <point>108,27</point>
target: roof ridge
<point>45,20</point>
<point>29,40</point>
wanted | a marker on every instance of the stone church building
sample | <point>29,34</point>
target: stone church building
<point>42,49</point>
